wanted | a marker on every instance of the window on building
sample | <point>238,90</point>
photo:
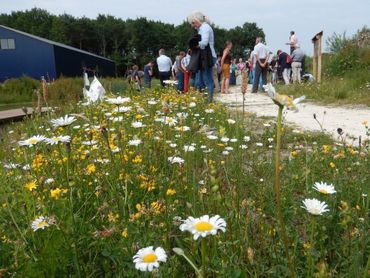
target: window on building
<point>7,43</point>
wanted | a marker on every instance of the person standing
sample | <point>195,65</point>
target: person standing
<point>297,57</point>
<point>208,55</point>
<point>262,56</point>
<point>184,63</point>
<point>241,68</point>
<point>179,72</point>
<point>285,66</point>
<point>148,73</point>
<point>233,72</point>
<point>164,64</point>
<point>225,66</point>
<point>293,40</point>
<point>135,77</point>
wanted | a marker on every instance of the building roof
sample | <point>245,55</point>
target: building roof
<point>54,43</point>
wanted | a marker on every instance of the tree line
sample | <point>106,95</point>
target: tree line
<point>127,42</point>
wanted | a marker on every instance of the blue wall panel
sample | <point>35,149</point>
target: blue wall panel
<point>30,57</point>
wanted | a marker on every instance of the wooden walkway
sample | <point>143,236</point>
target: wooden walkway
<point>17,114</point>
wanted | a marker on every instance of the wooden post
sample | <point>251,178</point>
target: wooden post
<point>316,59</point>
<point>319,60</point>
<point>314,65</point>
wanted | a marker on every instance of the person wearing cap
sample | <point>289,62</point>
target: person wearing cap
<point>297,57</point>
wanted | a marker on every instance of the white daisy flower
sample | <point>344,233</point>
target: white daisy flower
<point>247,138</point>
<point>229,148</point>
<point>170,121</point>
<point>225,153</point>
<point>270,140</point>
<point>10,166</point>
<point>243,147</point>
<point>233,140</point>
<point>192,104</point>
<point>118,100</point>
<point>32,141</point>
<point>137,124</point>
<point>231,121</point>
<point>203,226</point>
<point>40,223</point>
<point>209,111</point>
<point>176,159</point>
<point>117,119</point>
<point>76,127</point>
<point>146,259</point>
<point>122,109</point>
<point>26,167</point>
<point>212,137</point>
<point>152,102</point>
<point>259,144</point>
<point>173,145</point>
<point>115,150</point>
<point>89,143</point>
<point>225,139</point>
<point>49,180</point>
<point>183,128</point>
<point>314,206</point>
<point>60,122</point>
<point>324,188</point>
<point>56,139</point>
<point>182,115</point>
<point>188,148</point>
<point>135,142</point>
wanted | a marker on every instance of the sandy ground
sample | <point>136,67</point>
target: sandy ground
<point>349,119</point>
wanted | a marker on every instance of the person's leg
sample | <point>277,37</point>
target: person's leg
<point>299,69</point>
<point>161,78</point>
<point>186,81</point>
<point>295,73</point>
<point>207,77</point>
<point>286,76</point>
<point>256,78</point>
<point>180,81</point>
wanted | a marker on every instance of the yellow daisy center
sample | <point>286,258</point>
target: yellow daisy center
<point>42,224</point>
<point>150,258</point>
<point>203,226</point>
<point>323,191</point>
<point>33,141</point>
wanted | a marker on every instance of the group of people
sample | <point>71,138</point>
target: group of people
<point>201,68</point>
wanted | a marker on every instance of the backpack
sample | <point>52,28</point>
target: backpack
<point>288,59</point>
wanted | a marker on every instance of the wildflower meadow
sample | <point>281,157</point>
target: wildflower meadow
<point>157,184</point>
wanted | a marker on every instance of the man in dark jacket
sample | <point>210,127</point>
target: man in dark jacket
<point>284,64</point>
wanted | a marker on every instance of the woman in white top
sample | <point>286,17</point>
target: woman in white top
<point>200,22</point>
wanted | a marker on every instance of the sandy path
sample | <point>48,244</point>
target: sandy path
<point>349,119</point>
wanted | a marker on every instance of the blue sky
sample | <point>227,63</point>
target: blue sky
<point>277,18</point>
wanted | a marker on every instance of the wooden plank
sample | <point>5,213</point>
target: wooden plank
<point>17,114</point>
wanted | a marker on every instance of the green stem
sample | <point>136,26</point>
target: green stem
<point>311,253</point>
<point>204,251</point>
<point>278,189</point>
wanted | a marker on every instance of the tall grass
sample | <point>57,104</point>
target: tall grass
<point>115,198</point>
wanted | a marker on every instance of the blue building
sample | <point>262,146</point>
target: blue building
<point>25,54</point>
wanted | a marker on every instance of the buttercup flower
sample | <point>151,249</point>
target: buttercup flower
<point>32,141</point>
<point>314,206</point>
<point>63,121</point>
<point>324,188</point>
<point>146,259</point>
<point>203,226</point>
<point>40,223</point>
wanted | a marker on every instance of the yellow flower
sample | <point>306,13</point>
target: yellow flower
<point>138,159</point>
<point>138,117</point>
<point>55,193</point>
<point>113,217</point>
<point>332,165</point>
<point>170,192</point>
<point>31,185</point>
<point>37,162</point>
<point>294,153</point>
<point>124,233</point>
<point>326,148</point>
<point>90,169</point>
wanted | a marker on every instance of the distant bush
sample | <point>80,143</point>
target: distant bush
<point>349,54</point>
<point>18,90</point>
